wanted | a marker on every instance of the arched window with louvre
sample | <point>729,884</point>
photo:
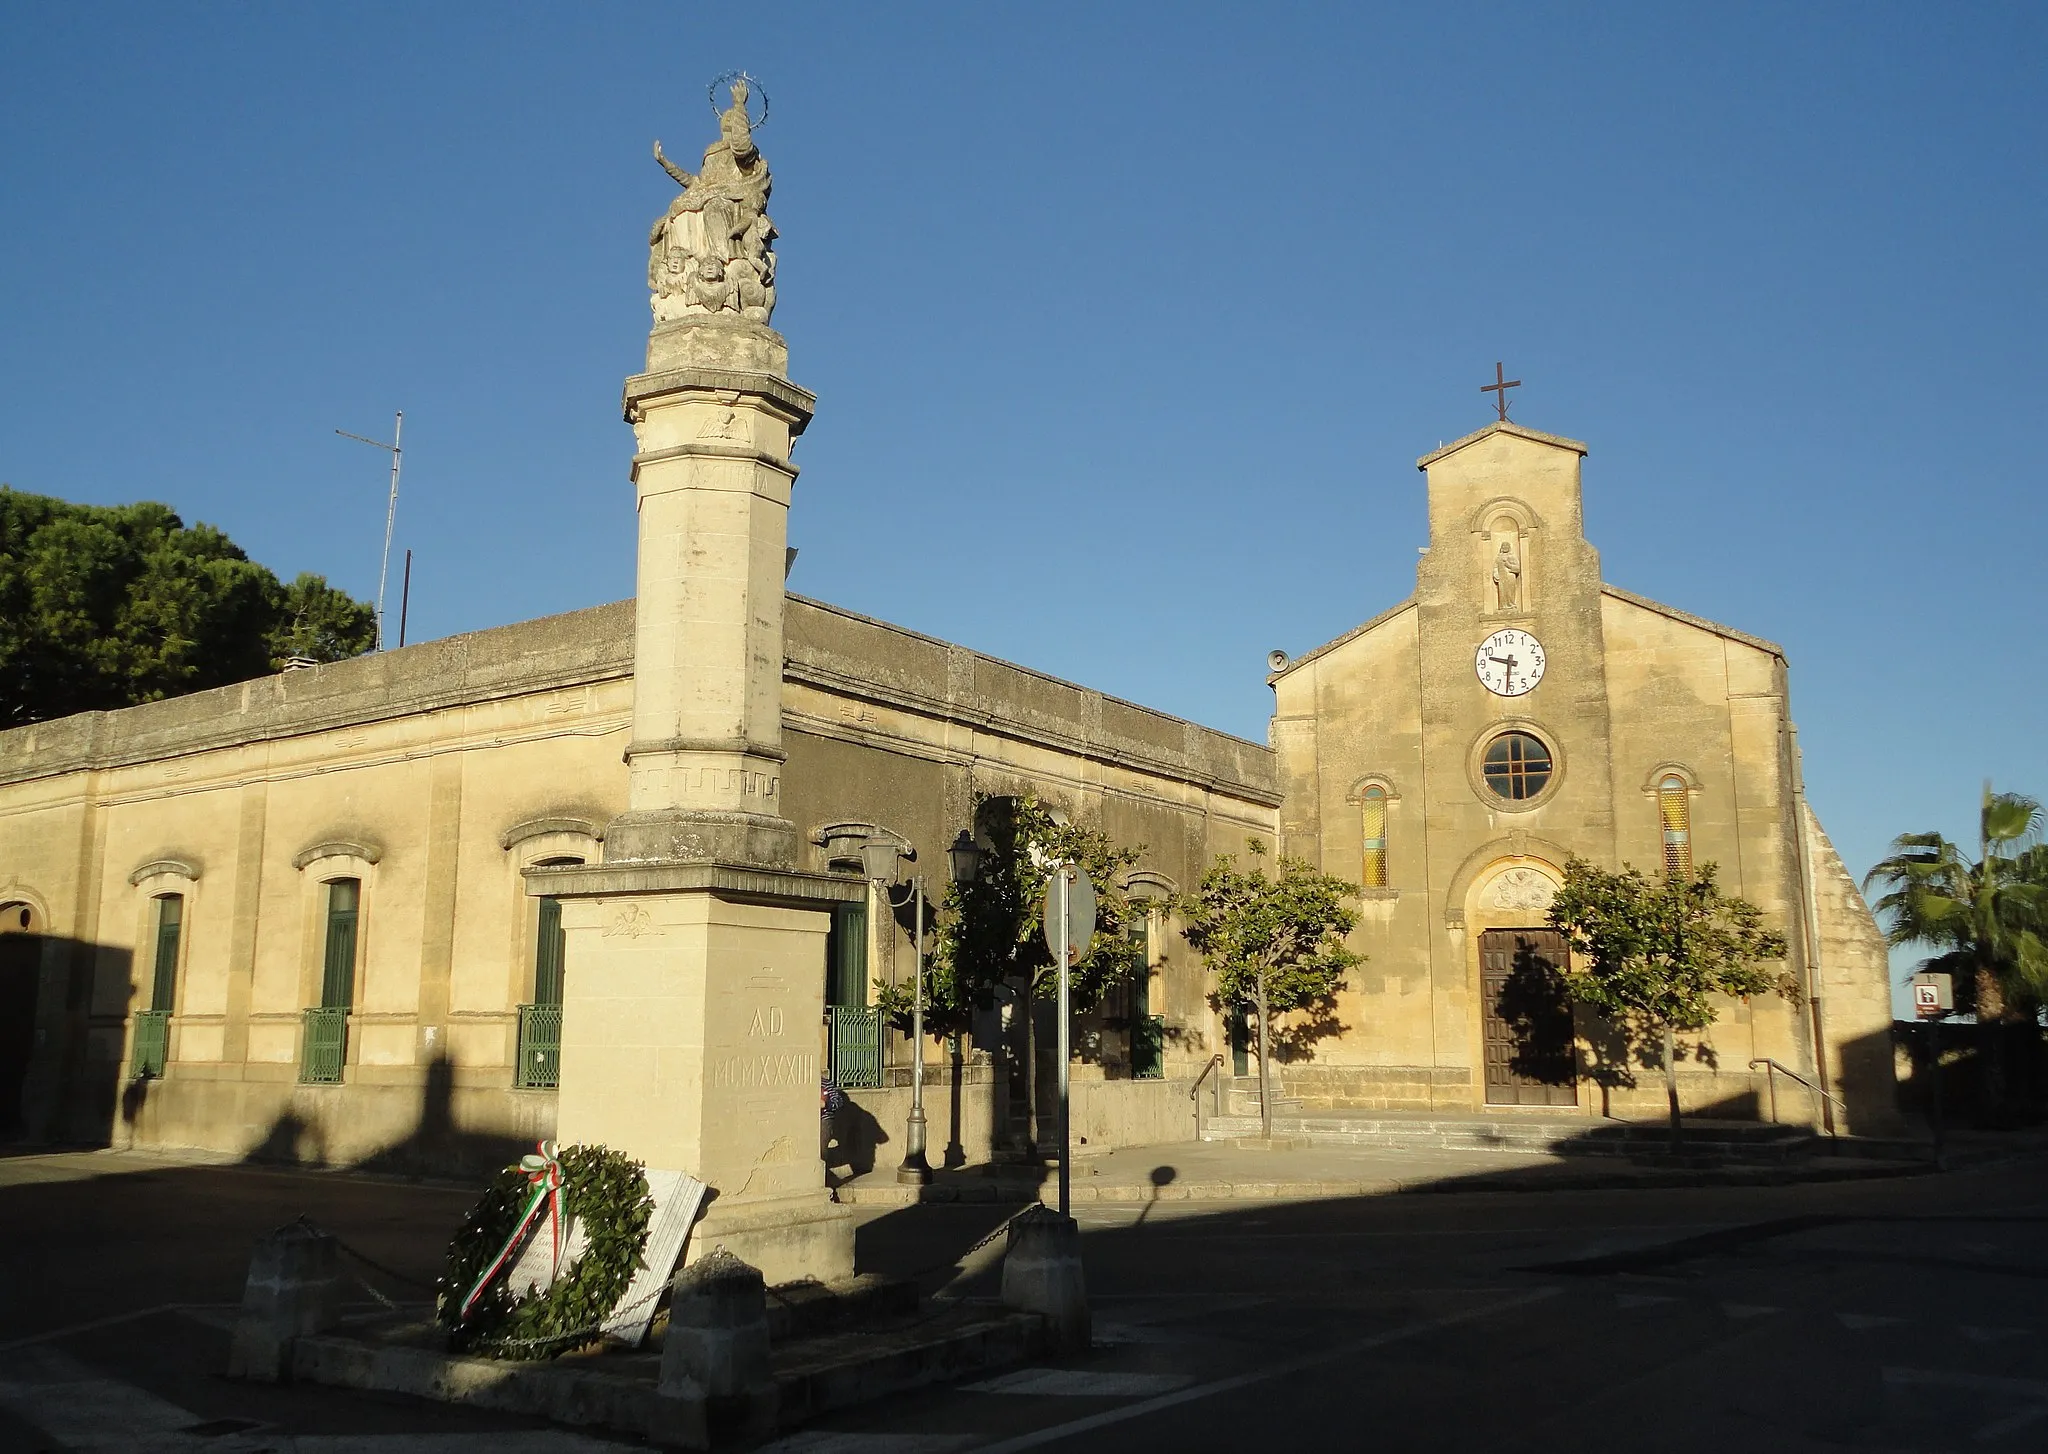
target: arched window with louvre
<point>1674,813</point>
<point>1373,810</point>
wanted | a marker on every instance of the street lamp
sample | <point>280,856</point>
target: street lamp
<point>879,858</point>
<point>964,858</point>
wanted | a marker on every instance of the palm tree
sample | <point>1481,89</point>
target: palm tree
<point>1987,920</point>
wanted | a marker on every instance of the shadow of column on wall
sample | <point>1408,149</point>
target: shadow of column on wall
<point>63,1030</point>
<point>443,1143</point>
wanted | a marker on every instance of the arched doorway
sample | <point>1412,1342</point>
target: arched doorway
<point>1527,1038</point>
<point>21,959</point>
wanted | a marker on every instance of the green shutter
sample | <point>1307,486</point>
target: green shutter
<point>338,980</point>
<point>550,945</point>
<point>170,923</point>
<point>846,969</point>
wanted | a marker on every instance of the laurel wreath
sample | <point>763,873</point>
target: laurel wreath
<point>605,1193</point>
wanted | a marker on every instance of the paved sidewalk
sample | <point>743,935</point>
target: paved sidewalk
<point>1246,1170</point>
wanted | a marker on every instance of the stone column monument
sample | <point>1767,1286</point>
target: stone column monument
<point>695,974</point>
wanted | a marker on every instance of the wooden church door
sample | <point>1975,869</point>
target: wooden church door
<point>1529,1059</point>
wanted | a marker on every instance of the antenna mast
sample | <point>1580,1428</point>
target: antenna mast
<point>390,511</point>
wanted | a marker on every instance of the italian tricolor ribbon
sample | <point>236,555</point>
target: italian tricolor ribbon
<point>544,1188</point>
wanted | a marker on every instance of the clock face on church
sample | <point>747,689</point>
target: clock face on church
<point>1509,663</point>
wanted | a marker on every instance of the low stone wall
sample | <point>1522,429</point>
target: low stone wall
<point>960,1126</point>
<point>1374,1087</point>
<point>1730,1094</point>
<point>1112,1113</point>
<point>419,1122</point>
<point>1105,1114</point>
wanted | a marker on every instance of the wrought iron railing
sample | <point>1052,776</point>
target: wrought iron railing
<point>1148,1047</point>
<point>1772,1069</point>
<point>539,1066</point>
<point>325,1045</point>
<point>152,1044</point>
<point>856,1045</point>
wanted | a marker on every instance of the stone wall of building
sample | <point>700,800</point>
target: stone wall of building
<point>434,775</point>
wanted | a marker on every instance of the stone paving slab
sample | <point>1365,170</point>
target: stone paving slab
<point>618,1390</point>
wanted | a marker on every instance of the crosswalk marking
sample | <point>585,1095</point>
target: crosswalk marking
<point>1081,1383</point>
<point>80,1409</point>
<point>1337,1353</point>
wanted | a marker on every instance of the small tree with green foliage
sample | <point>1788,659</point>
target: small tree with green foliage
<point>1652,953</point>
<point>988,932</point>
<point>1986,921</point>
<point>1275,942</point>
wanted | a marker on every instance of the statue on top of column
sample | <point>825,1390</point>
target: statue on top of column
<point>711,252</point>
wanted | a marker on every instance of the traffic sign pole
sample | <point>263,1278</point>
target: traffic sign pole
<point>1065,879</point>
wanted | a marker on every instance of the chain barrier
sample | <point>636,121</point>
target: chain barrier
<point>356,1254</point>
<point>575,1337</point>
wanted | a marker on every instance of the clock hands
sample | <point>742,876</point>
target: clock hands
<point>1509,663</point>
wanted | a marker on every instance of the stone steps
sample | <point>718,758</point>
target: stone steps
<point>1718,1141</point>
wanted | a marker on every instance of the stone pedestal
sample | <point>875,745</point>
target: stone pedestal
<point>691,1041</point>
<point>293,1291</point>
<point>1042,1274</point>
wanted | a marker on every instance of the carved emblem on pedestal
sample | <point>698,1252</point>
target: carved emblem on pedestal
<point>631,922</point>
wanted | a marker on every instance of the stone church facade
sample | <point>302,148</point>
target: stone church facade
<point>1452,753</point>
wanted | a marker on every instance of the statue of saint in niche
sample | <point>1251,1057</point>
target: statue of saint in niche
<point>712,251</point>
<point>1507,578</point>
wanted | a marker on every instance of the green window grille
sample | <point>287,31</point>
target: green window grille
<point>338,972</point>
<point>846,957</point>
<point>550,947</point>
<point>170,924</point>
<point>539,1065</point>
<point>1147,1030</point>
<point>326,1045</point>
<point>856,1045</point>
<point>152,1044</point>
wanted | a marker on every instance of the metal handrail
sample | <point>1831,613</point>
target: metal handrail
<point>1771,1082</point>
<point>1195,1092</point>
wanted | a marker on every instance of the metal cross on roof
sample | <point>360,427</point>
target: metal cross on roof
<point>1499,389</point>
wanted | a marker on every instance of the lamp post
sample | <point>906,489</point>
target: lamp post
<point>879,859</point>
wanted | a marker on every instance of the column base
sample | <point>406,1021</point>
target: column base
<point>788,1238</point>
<point>672,835</point>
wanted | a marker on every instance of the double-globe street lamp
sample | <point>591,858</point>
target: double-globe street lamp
<point>879,859</point>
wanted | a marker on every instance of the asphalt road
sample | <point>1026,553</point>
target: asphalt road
<point>1898,1314</point>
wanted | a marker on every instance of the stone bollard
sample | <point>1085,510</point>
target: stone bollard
<point>1042,1274</point>
<point>294,1290</point>
<point>716,1351</point>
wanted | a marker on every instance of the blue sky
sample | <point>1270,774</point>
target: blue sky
<point>1127,322</point>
